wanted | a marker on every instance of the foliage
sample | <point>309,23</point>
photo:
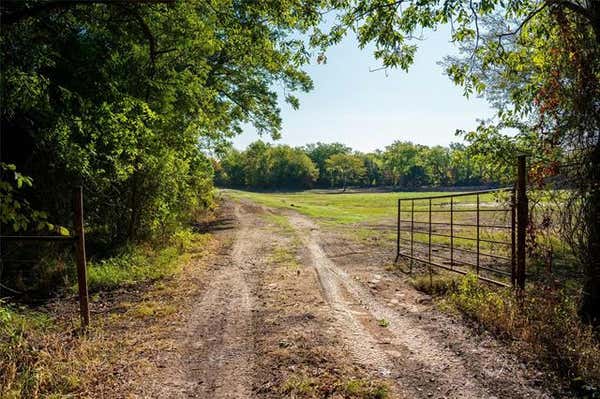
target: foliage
<point>142,264</point>
<point>15,211</point>
<point>265,166</point>
<point>401,164</point>
<point>343,168</point>
<point>120,97</point>
<point>320,152</point>
<point>125,98</point>
<point>400,159</point>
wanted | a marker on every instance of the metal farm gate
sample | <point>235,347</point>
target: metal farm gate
<point>481,232</point>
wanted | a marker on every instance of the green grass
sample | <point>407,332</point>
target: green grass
<point>359,213</point>
<point>337,207</point>
<point>285,257</point>
<point>143,263</point>
<point>281,222</point>
<point>346,207</point>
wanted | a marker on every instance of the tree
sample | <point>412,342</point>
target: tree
<point>231,169</point>
<point>345,168</point>
<point>320,152</point>
<point>292,168</point>
<point>124,97</point>
<point>374,170</point>
<point>538,63</point>
<point>436,162</point>
<point>262,165</point>
<point>399,158</point>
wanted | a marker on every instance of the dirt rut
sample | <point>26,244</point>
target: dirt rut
<point>420,365</point>
<point>217,357</point>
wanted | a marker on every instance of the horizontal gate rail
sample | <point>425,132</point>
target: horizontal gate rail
<point>482,278</point>
<point>459,237</point>
<point>457,210</point>
<point>491,226</point>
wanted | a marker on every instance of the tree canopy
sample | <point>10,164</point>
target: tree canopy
<point>125,97</point>
<point>403,165</point>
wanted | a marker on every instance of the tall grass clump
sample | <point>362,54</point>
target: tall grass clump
<point>37,358</point>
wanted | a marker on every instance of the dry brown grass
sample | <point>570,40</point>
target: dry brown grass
<point>42,353</point>
<point>543,324</point>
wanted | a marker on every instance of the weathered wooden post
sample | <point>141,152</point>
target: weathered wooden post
<point>522,219</point>
<point>80,257</point>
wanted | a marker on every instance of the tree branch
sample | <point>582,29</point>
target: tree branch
<point>525,21</point>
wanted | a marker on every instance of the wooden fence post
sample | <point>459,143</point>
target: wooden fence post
<point>522,219</point>
<point>80,257</point>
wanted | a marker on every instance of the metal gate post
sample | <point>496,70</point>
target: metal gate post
<point>412,232</point>
<point>522,219</point>
<point>513,240</point>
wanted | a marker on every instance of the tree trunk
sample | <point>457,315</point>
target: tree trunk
<point>590,306</point>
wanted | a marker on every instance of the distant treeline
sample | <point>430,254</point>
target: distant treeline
<point>401,164</point>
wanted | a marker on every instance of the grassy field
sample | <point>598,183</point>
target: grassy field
<point>344,208</point>
<point>367,214</point>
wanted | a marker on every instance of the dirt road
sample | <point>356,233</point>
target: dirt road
<point>282,313</point>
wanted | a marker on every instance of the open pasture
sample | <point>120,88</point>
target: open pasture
<point>343,208</point>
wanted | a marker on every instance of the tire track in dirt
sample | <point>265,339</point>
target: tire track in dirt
<point>223,323</point>
<point>365,348</point>
<point>414,356</point>
<point>218,357</point>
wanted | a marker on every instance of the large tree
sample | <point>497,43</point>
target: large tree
<point>320,152</point>
<point>344,169</point>
<point>124,97</point>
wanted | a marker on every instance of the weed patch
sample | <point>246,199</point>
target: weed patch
<point>40,357</point>
<point>43,355</point>
<point>143,263</point>
<point>544,318</point>
<point>302,386</point>
<point>285,257</point>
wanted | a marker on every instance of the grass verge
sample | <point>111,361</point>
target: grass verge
<point>42,354</point>
<point>544,319</point>
<point>144,262</point>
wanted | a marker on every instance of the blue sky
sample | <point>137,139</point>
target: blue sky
<point>368,110</point>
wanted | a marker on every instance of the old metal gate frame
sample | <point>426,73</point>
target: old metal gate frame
<point>518,209</point>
